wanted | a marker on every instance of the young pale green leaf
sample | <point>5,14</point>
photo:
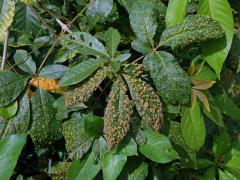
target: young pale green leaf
<point>10,149</point>
<point>158,148</point>
<point>194,29</point>
<point>11,85</point>
<point>226,175</point>
<point>140,173</point>
<point>29,2</point>
<point>90,169</point>
<point>112,165</point>
<point>19,123</point>
<point>193,127</point>
<point>77,141</point>
<point>216,51</point>
<point>54,71</point>
<point>83,43</point>
<point>176,12</point>
<point>112,38</point>
<point>45,128</point>
<point>143,20</point>
<point>81,71</point>
<point>27,20</point>
<point>228,107</point>
<point>7,10</point>
<point>24,61</point>
<point>99,9</point>
<point>171,81</point>
<point>8,111</point>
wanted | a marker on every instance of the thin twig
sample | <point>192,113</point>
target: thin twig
<point>4,57</point>
<point>138,59</point>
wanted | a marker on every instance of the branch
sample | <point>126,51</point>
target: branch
<point>4,57</point>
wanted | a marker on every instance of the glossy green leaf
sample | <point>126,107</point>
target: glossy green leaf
<point>226,175</point>
<point>26,21</point>
<point>45,128</point>
<point>193,127</point>
<point>194,29</point>
<point>10,149</point>
<point>176,12</point>
<point>8,111</point>
<point>77,141</point>
<point>140,173</point>
<point>11,85</point>
<point>158,148</point>
<point>112,165</point>
<point>93,125</point>
<point>81,71</point>
<point>171,81</point>
<point>112,38</point>
<point>143,20</point>
<point>228,107</point>
<point>54,71</point>
<point>24,61</point>
<point>83,43</point>
<point>216,51</point>
<point>128,147</point>
<point>233,165</point>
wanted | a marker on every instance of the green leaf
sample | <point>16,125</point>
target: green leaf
<point>215,52</point>
<point>112,38</point>
<point>233,165</point>
<point>194,29</point>
<point>228,107</point>
<point>54,71</point>
<point>11,85</point>
<point>24,61</point>
<point>90,169</point>
<point>209,174</point>
<point>63,55</point>
<point>77,141</point>
<point>171,81</point>
<point>122,57</point>
<point>93,125</point>
<point>19,123</point>
<point>141,46</point>
<point>26,21</point>
<point>83,43</point>
<point>81,71</point>
<point>143,20</point>
<point>193,127</point>
<point>226,175</point>
<point>112,165</point>
<point>128,147</point>
<point>140,173</point>
<point>221,143</point>
<point>158,148</point>
<point>8,111</point>
<point>7,10</point>
<point>176,12</point>
<point>45,128</point>
<point>10,149</point>
<point>99,9</point>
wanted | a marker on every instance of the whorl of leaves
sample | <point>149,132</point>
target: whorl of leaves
<point>147,102</point>
<point>84,91</point>
<point>194,29</point>
<point>117,115</point>
<point>6,16</point>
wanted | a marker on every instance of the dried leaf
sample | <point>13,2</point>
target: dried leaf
<point>203,98</point>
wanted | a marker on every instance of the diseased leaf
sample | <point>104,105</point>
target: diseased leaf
<point>112,38</point>
<point>11,85</point>
<point>176,12</point>
<point>24,61</point>
<point>77,141</point>
<point>10,149</point>
<point>81,71</point>
<point>83,43</point>
<point>193,127</point>
<point>59,171</point>
<point>147,102</point>
<point>193,30</point>
<point>45,128</point>
<point>171,81</point>
<point>216,51</point>
<point>158,148</point>
<point>117,115</point>
<point>143,20</point>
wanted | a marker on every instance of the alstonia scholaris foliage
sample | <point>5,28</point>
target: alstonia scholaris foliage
<point>83,92</point>
<point>147,102</point>
<point>117,115</point>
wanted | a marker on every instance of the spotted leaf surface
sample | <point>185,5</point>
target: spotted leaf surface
<point>45,128</point>
<point>11,85</point>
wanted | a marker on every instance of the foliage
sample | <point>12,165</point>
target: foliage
<point>119,89</point>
